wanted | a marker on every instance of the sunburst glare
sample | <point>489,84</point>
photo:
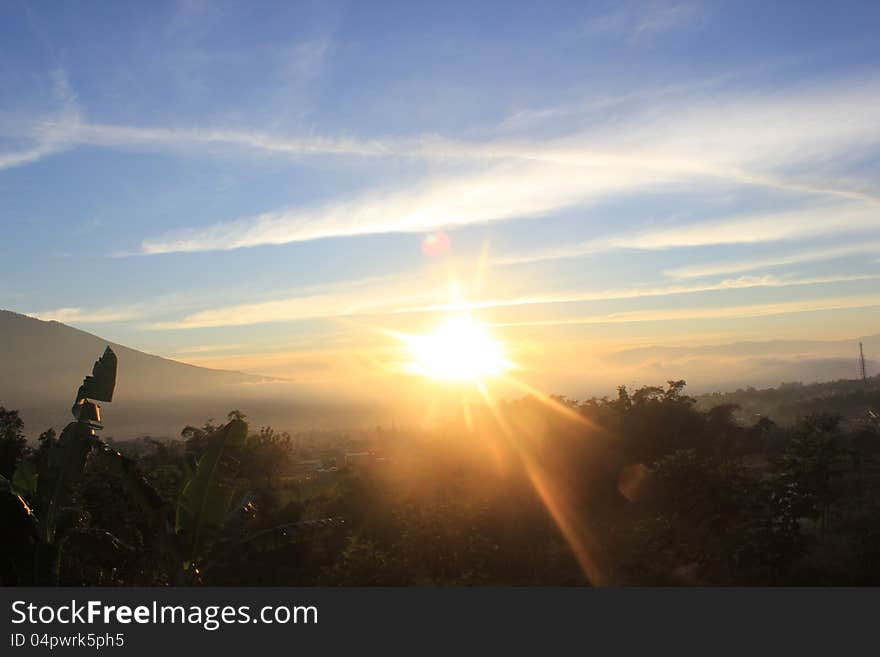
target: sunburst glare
<point>460,349</point>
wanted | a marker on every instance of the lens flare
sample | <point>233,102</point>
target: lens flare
<point>436,244</point>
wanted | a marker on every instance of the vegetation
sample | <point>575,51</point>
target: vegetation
<point>852,399</point>
<point>647,488</point>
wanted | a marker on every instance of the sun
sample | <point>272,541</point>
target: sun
<point>460,349</point>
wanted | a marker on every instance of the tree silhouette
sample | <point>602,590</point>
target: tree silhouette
<point>13,443</point>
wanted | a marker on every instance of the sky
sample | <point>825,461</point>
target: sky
<point>280,188</point>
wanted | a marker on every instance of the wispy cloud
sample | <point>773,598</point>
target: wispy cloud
<point>750,141</point>
<point>526,117</point>
<point>825,219</point>
<point>417,296</point>
<point>741,283</point>
<point>631,20</point>
<point>743,139</point>
<point>504,192</point>
<point>122,136</point>
<point>27,156</point>
<point>86,316</point>
<point>664,16</point>
<point>353,292</point>
<point>355,297</point>
<point>513,191</point>
<point>51,133</point>
<point>160,305</point>
<point>792,258</point>
<point>723,312</point>
<point>213,348</point>
<point>741,136</point>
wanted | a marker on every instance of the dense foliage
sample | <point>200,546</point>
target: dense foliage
<point>646,488</point>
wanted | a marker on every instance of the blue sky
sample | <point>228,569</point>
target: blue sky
<point>250,185</point>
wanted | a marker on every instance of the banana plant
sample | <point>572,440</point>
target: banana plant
<point>214,515</point>
<point>43,490</point>
<point>210,519</point>
<point>205,504</point>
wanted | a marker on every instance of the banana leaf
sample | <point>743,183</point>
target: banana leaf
<point>100,383</point>
<point>280,535</point>
<point>145,495</point>
<point>67,460</point>
<point>25,478</point>
<point>206,499</point>
<point>97,543</point>
<point>265,540</point>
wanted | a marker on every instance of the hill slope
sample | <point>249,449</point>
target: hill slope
<point>45,362</point>
<point>51,358</point>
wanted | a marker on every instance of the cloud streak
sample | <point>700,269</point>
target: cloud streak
<point>743,139</point>
<point>416,296</point>
<point>826,219</point>
<point>84,316</point>
<point>742,283</point>
<point>751,141</point>
<point>724,312</point>
<point>515,190</point>
<point>798,257</point>
<point>639,19</point>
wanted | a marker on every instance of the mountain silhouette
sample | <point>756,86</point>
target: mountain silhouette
<point>43,363</point>
<point>50,359</point>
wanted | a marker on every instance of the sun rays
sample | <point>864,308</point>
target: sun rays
<point>461,352</point>
<point>459,349</point>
